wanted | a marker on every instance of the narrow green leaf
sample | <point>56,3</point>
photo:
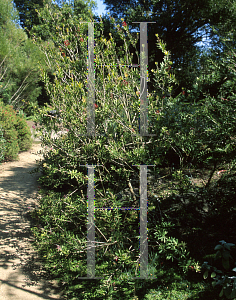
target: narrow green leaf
<point>218,247</point>
<point>228,245</point>
<point>226,255</point>
<point>233,294</point>
<point>218,254</point>
<point>228,291</point>
<point>225,263</point>
<point>205,274</point>
<point>213,274</point>
<point>222,292</point>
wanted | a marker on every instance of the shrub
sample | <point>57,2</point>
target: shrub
<point>8,121</point>
<point>12,148</point>
<point>116,148</point>
<point>225,276</point>
<point>24,134</point>
<point>118,145</point>
<point>15,132</point>
<point>172,249</point>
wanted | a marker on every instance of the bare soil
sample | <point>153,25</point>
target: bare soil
<point>21,273</point>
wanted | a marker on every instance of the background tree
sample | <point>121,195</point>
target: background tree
<point>27,12</point>
<point>180,24</point>
<point>19,58</point>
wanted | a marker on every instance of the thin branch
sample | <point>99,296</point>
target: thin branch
<point>132,192</point>
<point>101,233</point>
<point>20,88</point>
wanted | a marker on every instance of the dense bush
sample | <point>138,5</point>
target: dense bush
<point>60,235</point>
<point>198,133</point>
<point>226,276</point>
<point>119,146</point>
<point>24,134</point>
<point>16,132</point>
<point>8,121</point>
<point>19,58</point>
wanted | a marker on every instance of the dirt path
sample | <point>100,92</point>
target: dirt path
<point>21,274</point>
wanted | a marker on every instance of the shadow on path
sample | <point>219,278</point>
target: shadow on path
<point>21,273</point>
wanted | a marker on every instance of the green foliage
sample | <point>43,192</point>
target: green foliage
<point>8,122</point>
<point>61,240</point>
<point>16,132</point>
<point>24,134</point>
<point>51,14</point>
<point>19,73</point>
<point>170,248</point>
<point>116,150</point>
<point>112,116</point>
<point>60,237</point>
<point>225,277</point>
<point>48,14</point>
<point>198,132</point>
<point>9,13</point>
<point>181,25</point>
<point>28,12</point>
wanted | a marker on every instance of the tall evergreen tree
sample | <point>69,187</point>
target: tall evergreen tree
<point>27,12</point>
<point>179,23</point>
<point>28,9</point>
<point>19,72</point>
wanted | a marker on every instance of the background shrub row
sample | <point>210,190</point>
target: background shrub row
<point>15,134</point>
